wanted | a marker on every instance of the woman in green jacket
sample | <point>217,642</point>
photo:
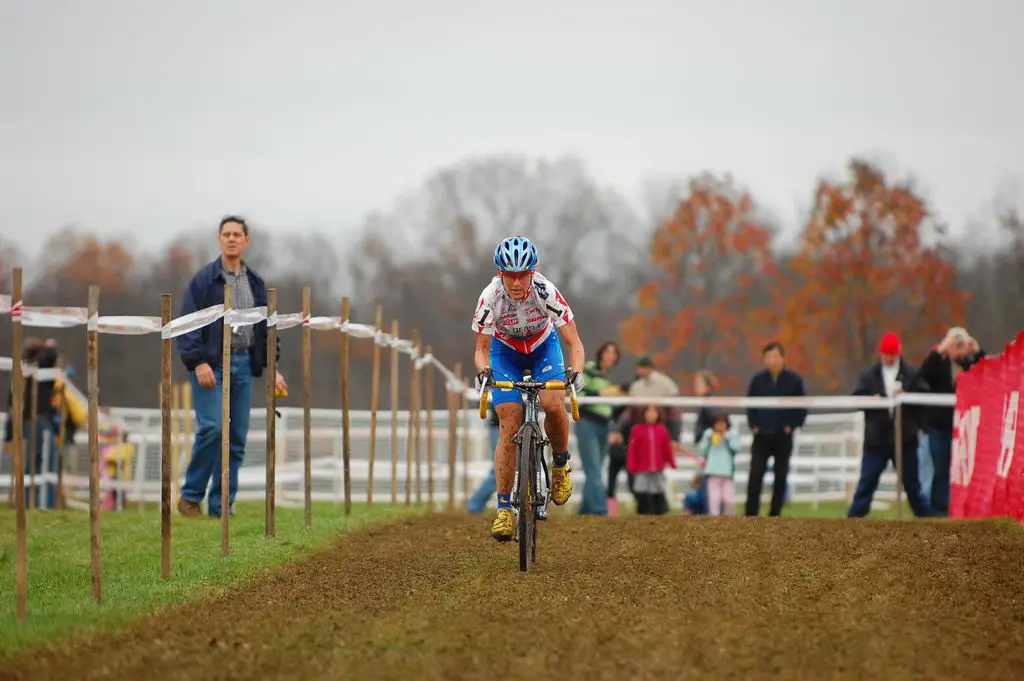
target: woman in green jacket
<point>593,427</point>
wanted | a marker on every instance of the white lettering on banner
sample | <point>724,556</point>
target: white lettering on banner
<point>965,440</point>
<point>1009,439</point>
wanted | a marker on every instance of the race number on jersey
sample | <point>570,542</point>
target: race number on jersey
<point>521,324</point>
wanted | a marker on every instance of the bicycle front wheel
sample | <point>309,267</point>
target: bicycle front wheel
<point>526,464</point>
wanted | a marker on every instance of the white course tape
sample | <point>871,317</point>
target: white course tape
<point>54,317</point>
<point>131,325</point>
<point>402,345</point>
<point>448,375</point>
<point>125,325</point>
<point>358,330</point>
<point>191,322</point>
<point>285,321</point>
<point>246,316</point>
<point>323,323</point>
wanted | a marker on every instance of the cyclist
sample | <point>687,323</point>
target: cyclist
<point>522,309</point>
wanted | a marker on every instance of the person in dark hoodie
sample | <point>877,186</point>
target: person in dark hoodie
<point>956,353</point>
<point>38,354</point>
<point>888,377</point>
<point>772,427</point>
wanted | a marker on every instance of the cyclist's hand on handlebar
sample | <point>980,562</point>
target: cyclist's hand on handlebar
<point>483,379</point>
<point>576,379</point>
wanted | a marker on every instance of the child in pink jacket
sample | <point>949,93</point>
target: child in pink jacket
<point>650,451</point>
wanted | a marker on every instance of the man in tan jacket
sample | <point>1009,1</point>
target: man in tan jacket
<point>652,383</point>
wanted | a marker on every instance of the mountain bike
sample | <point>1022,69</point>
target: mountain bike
<point>529,501</point>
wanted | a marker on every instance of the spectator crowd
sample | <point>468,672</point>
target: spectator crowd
<point>643,441</point>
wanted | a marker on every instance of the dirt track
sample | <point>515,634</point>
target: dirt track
<point>610,598</point>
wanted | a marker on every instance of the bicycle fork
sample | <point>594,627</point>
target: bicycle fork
<point>542,484</point>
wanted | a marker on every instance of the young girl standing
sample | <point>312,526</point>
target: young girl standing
<point>719,446</point>
<point>650,451</point>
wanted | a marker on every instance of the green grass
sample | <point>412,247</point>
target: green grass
<point>838,509</point>
<point>804,509</point>
<point>59,575</point>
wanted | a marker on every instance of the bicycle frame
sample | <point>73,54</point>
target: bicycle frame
<point>531,421</point>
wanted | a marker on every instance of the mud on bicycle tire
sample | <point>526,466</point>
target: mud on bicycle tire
<point>527,520</point>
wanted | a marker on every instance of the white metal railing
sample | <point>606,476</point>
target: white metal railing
<point>824,466</point>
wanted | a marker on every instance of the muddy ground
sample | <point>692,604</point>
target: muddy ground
<point>609,598</point>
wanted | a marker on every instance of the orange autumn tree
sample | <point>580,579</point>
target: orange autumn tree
<point>705,303</point>
<point>870,261</point>
<point>72,261</point>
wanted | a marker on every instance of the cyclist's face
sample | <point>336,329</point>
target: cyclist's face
<point>517,283</point>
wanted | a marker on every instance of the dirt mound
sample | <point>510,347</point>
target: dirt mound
<point>609,598</point>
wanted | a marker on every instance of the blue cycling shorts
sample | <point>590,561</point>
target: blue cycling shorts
<point>545,364</point>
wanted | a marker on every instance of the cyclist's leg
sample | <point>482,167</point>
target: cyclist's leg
<point>506,365</point>
<point>548,364</point>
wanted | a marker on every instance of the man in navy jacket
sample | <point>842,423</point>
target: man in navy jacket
<point>201,352</point>
<point>772,428</point>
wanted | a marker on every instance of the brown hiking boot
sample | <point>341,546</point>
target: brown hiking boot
<point>188,508</point>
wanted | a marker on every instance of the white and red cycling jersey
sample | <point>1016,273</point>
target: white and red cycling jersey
<point>521,324</point>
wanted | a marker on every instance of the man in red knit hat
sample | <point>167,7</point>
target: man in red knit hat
<point>888,377</point>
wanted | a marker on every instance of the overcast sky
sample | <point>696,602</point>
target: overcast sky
<point>157,117</point>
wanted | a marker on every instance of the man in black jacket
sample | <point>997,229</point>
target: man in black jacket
<point>956,353</point>
<point>888,377</point>
<point>772,427</point>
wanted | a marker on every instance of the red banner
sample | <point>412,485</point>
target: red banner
<point>987,462</point>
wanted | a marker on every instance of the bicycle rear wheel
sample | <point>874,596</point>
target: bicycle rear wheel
<point>526,463</point>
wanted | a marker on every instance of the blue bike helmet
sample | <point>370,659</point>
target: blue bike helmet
<point>515,254</point>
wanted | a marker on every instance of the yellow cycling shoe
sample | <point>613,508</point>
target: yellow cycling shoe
<point>504,526</point>
<point>561,484</point>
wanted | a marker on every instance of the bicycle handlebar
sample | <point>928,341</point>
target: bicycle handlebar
<point>530,385</point>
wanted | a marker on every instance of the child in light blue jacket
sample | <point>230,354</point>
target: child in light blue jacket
<point>719,446</point>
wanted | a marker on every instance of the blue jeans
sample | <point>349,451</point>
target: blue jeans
<point>872,466</point>
<point>205,461</point>
<point>925,467</point>
<point>940,444</point>
<point>592,440</point>
<point>478,502</point>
